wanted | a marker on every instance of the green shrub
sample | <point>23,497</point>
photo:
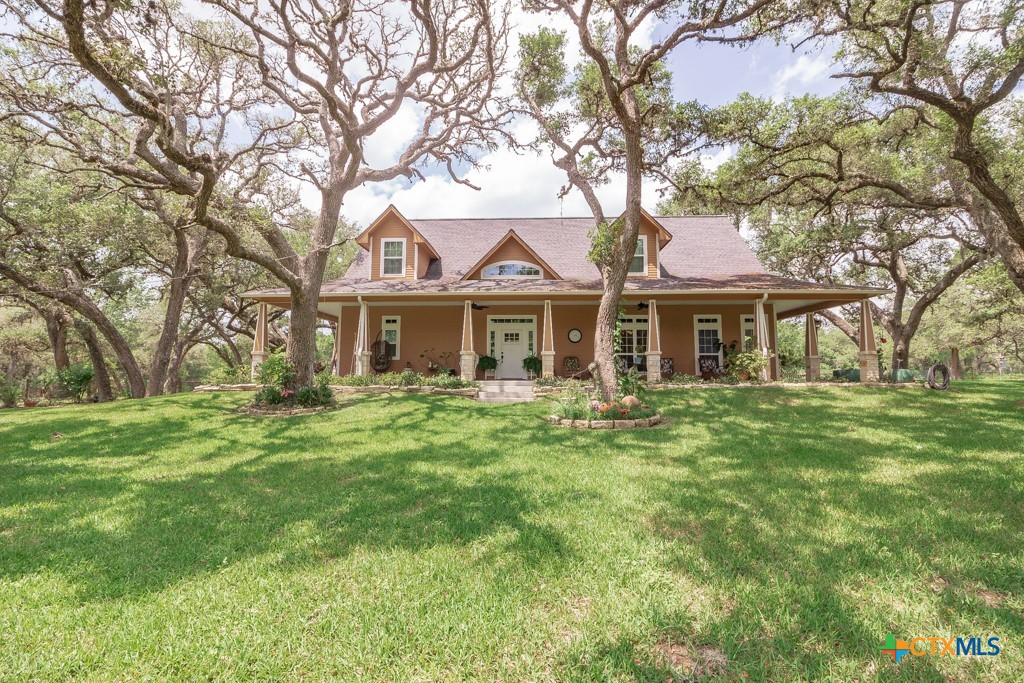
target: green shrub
<point>224,375</point>
<point>630,383</point>
<point>76,380</point>
<point>487,363</point>
<point>311,397</point>
<point>575,402</point>
<point>401,379</point>
<point>8,392</point>
<point>268,396</point>
<point>275,371</point>
<point>551,381</point>
<point>681,378</point>
<point>751,362</point>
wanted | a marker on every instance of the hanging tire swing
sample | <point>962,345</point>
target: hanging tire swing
<point>381,354</point>
<point>937,369</point>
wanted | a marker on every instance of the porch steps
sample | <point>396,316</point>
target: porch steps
<point>506,391</point>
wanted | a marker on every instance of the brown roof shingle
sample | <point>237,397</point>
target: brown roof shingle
<point>701,246</point>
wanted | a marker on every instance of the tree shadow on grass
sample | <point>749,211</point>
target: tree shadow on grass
<point>274,489</point>
<point>782,499</point>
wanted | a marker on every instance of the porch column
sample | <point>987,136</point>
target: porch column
<point>812,362</point>
<point>653,342</point>
<point>868,348</point>
<point>362,346</point>
<point>547,354</point>
<point>259,342</point>
<point>467,356</point>
<point>336,358</point>
<point>761,325</point>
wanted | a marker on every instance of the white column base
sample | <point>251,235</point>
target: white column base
<point>547,359</point>
<point>653,367</point>
<point>467,366</point>
<point>257,360</point>
<point>868,366</point>
<point>813,368</point>
<point>362,363</point>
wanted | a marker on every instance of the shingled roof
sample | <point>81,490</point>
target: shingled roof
<point>706,253</point>
<point>702,247</point>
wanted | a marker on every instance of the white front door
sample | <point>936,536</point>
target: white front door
<point>511,348</point>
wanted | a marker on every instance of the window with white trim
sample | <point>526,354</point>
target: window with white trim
<point>511,269</point>
<point>748,332</point>
<point>639,264</point>
<point>633,336</point>
<point>708,339</point>
<point>392,257</point>
<point>391,332</point>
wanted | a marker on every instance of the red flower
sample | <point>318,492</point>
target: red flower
<point>623,412</point>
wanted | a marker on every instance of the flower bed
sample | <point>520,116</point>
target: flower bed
<point>640,423</point>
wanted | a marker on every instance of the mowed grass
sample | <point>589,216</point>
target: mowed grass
<point>765,534</point>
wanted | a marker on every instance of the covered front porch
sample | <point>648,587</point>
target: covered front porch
<point>661,335</point>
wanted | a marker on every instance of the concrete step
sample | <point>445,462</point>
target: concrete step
<point>488,383</point>
<point>506,390</point>
<point>504,398</point>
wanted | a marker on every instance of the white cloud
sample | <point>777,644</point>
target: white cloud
<point>805,73</point>
<point>713,161</point>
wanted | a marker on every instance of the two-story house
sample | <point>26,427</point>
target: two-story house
<point>516,287</point>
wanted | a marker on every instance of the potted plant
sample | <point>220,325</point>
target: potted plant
<point>487,364</point>
<point>747,365</point>
<point>533,365</point>
<point>439,362</point>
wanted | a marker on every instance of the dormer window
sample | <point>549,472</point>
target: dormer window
<point>639,264</point>
<point>392,257</point>
<point>511,269</point>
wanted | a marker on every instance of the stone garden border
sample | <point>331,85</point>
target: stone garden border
<point>642,423</point>
<point>269,412</point>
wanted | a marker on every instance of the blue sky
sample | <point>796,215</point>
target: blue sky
<point>527,184</point>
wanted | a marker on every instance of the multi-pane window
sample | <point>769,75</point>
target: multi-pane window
<point>639,264</point>
<point>748,332</point>
<point>511,269</point>
<point>708,332</point>
<point>391,332</point>
<point>633,336</point>
<point>392,257</point>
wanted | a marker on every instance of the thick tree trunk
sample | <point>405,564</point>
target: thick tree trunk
<point>179,284</point>
<point>302,337</point>
<point>173,382</point>
<point>101,378</point>
<point>304,301</point>
<point>955,371</point>
<point>57,331</point>
<point>901,348</point>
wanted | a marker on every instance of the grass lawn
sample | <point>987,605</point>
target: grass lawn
<point>766,534</point>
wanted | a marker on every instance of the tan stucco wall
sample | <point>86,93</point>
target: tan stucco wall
<point>440,327</point>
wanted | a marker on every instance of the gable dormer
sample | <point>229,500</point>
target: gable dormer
<point>397,251</point>
<point>511,258</point>
<point>652,239</point>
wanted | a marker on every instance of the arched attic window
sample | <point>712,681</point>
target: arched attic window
<point>511,269</point>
